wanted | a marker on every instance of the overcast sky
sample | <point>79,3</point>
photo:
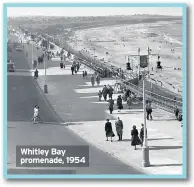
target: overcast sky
<point>90,11</point>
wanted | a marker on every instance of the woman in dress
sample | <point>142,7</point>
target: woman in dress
<point>108,130</point>
<point>134,137</point>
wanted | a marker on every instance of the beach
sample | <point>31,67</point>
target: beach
<point>113,44</point>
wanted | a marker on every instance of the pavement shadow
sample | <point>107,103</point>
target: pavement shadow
<point>153,147</point>
<point>125,140</point>
<point>164,147</point>
<point>164,119</point>
<point>160,165</point>
<point>151,139</point>
<point>77,123</point>
<point>130,112</point>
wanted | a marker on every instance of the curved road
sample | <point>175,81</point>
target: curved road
<point>23,93</point>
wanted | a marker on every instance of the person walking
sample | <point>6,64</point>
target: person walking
<point>36,74</point>
<point>134,137</point>
<point>86,74</point>
<point>110,91</point>
<point>119,103</point>
<point>61,65</point>
<point>98,80</point>
<point>100,95</point>
<point>92,80</point>
<point>105,92</point>
<point>142,134</point>
<point>149,110</point>
<point>111,105</point>
<point>34,119</point>
<point>78,66</point>
<point>38,116</point>
<point>108,130</point>
<point>83,74</point>
<point>72,69</point>
<point>119,128</point>
<point>75,68</point>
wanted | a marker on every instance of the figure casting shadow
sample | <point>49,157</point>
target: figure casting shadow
<point>164,147</point>
<point>160,165</point>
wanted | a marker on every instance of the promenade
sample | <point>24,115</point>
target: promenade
<point>22,94</point>
<point>76,102</point>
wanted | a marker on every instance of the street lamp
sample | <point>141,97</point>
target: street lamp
<point>32,56</point>
<point>45,80</point>
<point>145,147</point>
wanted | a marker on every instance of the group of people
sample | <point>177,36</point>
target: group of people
<point>106,91</point>
<point>95,79</point>
<point>75,67</point>
<point>136,137</point>
<point>128,96</point>
<point>119,104</point>
<point>85,74</point>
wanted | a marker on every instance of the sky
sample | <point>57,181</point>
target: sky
<point>90,11</point>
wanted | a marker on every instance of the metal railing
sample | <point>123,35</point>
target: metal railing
<point>159,101</point>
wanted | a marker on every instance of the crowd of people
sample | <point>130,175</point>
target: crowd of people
<point>75,67</point>
<point>137,138</point>
<point>107,94</point>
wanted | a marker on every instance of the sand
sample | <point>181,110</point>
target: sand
<point>115,43</point>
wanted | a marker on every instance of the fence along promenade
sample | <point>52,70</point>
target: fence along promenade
<point>126,80</point>
<point>159,101</point>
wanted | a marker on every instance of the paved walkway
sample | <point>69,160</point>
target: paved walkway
<point>76,102</point>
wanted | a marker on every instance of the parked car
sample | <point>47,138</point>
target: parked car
<point>10,67</point>
<point>19,48</point>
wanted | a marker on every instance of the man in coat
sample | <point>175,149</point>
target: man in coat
<point>142,134</point>
<point>110,91</point>
<point>149,111</point>
<point>110,105</point>
<point>119,128</point>
<point>105,92</point>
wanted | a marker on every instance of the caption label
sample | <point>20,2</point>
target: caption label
<point>52,156</point>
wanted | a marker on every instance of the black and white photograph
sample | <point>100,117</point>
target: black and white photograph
<point>95,91</point>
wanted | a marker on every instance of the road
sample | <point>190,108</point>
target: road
<point>23,93</point>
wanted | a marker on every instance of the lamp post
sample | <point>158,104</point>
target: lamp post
<point>45,78</point>
<point>138,63</point>
<point>145,148</point>
<point>32,56</point>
